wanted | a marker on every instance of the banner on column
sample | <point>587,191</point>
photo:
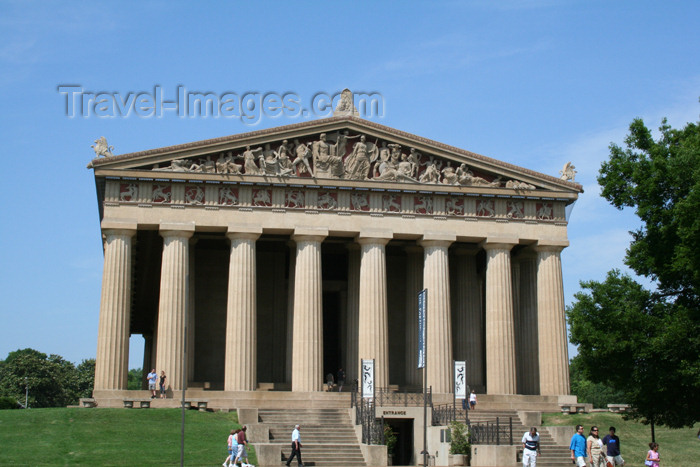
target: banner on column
<point>460,380</point>
<point>422,306</point>
<point>367,372</point>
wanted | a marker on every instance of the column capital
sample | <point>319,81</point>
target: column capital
<point>176,229</point>
<point>242,235</point>
<point>372,241</point>
<point>499,243</point>
<point>125,232</point>
<point>309,234</point>
<point>375,236</point>
<point>119,224</point>
<point>243,231</point>
<point>555,246</point>
<point>437,239</point>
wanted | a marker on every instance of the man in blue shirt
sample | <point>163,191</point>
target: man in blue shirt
<point>578,447</point>
<point>613,444</point>
<point>152,379</point>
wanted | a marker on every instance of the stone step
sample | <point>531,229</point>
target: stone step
<point>327,435</point>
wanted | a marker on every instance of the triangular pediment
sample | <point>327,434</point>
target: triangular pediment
<point>346,148</point>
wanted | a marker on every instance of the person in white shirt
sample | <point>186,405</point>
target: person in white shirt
<point>296,446</point>
<point>531,447</point>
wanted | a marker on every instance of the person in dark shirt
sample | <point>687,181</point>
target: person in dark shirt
<point>612,442</point>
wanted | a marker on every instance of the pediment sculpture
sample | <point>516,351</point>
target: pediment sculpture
<point>101,148</point>
<point>342,155</point>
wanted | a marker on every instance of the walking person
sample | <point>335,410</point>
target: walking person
<point>472,400</point>
<point>578,447</point>
<point>152,378</point>
<point>296,446</point>
<point>531,447</point>
<point>162,385</point>
<point>329,381</point>
<point>612,443</point>
<point>242,443</point>
<point>230,447</point>
<point>341,379</point>
<point>594,447</point>
<point>653,459</point>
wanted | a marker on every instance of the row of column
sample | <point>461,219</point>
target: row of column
<point>367,311</point>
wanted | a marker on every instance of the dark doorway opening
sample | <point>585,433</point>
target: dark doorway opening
<point>403,429</point>
<point>331,333</point>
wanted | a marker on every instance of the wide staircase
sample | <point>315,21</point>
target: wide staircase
<point>552,454</point>
<point>327,435</point>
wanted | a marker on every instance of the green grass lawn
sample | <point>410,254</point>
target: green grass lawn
<point>677,448</point>
<point>131,437</point>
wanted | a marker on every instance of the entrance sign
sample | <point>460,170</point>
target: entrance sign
<point>367,371</point>
<point>422,306</point>
<point>460,380</point>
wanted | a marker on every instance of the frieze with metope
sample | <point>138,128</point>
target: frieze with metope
<point>349,200</point>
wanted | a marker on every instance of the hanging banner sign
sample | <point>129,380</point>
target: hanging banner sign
<point>422,308</point>
<point>460,380</point>
<point>367,372</point>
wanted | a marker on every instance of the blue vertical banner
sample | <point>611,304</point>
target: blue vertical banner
<point>422,307</point>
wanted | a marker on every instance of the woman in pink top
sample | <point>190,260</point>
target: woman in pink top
<point>653,455</point>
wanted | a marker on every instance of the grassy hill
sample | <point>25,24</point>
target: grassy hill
<point>113,437</point>
<point>677,448</point>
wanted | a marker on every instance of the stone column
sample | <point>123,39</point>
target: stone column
<point>240,367</point>
<point>373,338</point>
<point>528,323</point>
<point>172,304</point>
<point>551,324</point>
<point>500,348</point>
<point>468,316</point>
<point>307,353</point>
<point>517,330</point>
<point>436,278</point>
<point>353,312</point>
<point>112,360</point>
<point>414,284</point>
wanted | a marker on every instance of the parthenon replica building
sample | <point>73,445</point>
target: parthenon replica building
<point>271,258</point>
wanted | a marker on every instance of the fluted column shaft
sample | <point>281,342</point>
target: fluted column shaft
<point>373,341</point>
<point>353,312</point>
<point>436,278</point>
<point>172,306</point>
<point>414,284</point>
<point>111,362</point>
<point>551,324</point>
<point>528,325</point>
<point>240,367</point>
<point>468,316</point>
<point>307,359</point>
<point>500,342</point>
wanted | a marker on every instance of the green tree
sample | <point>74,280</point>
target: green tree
<point>598,394</point>
<point>646,343</point>
<point>86,377</point>
<point>135,379</point>
<point>52,381</point>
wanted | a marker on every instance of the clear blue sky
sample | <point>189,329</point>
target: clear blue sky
<point>534,83</point>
